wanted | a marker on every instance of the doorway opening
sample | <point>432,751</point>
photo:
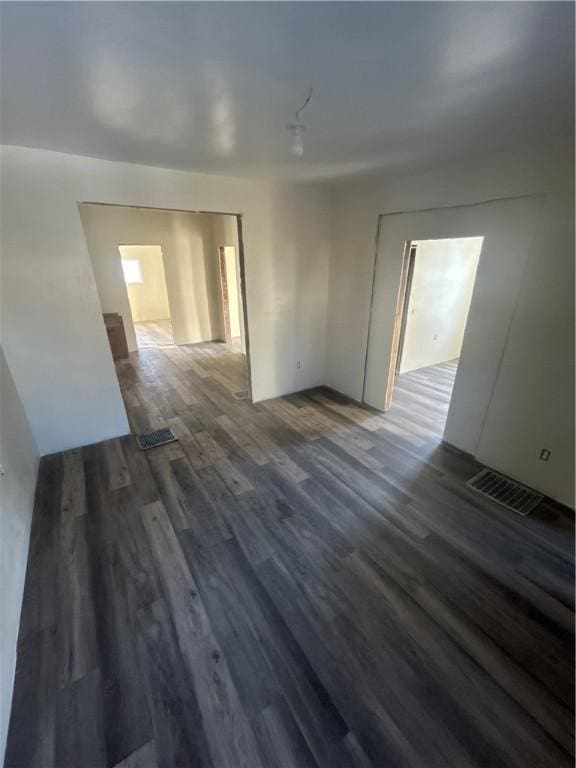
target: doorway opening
<point>143,270</point>
<point>436,287</point>
<point>173,283</point>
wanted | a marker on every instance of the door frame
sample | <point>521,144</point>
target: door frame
<point>397,330</point>
<point>224,294</point>
<point>508,227</point>
<point>406,305</point>
<point>241,276</point>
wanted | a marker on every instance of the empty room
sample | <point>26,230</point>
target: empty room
<point>287,384</point>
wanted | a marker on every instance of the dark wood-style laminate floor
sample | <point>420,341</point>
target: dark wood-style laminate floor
<point>300,582</point>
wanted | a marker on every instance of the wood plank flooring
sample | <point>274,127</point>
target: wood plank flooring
<point>300,582</point>
<point>154,333</point>
<point>424,394</point>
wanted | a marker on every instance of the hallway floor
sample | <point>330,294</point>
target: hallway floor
<point>154,333</point>
<point>298,582</point>
<point>421,398</point>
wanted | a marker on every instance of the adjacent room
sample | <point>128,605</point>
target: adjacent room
<point>184,291</point>
<point>287,445</point>
<point>435,294</point>
<point>145,279</point>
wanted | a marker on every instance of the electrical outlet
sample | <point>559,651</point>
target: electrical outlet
<point>545,454</point>
<point>298,364</point>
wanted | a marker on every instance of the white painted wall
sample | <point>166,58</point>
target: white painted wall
<point>19,459</point>
<point>439,300</point>
<point>54,336</point>
<point>530,394</point>
<point>148,299</point>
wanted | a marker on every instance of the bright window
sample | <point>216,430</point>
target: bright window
<point>132,271</point>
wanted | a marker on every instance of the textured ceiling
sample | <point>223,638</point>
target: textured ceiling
<point>210,86</point>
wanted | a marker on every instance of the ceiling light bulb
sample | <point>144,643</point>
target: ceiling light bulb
<point>297,146</point>
<point>297,130</point>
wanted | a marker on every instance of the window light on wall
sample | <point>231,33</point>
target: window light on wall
<point>132,271</point>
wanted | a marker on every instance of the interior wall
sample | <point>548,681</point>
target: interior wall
<point>531,403</point>
<point>233,290</point>
<point>68,386</point>
<point>148,299</point>
<point>19,460</point>
<point>439,300</point>
<point>190,262</point>
<point>193,278</point>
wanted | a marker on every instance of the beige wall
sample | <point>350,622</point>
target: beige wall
<point>439,300</point>
<point>68,386</point>
<point>19,460</point>
<point>529,394</point>
<point>192,275</point>
<point>148,299</point>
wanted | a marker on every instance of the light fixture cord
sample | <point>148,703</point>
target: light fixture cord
<point>304,105</point>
